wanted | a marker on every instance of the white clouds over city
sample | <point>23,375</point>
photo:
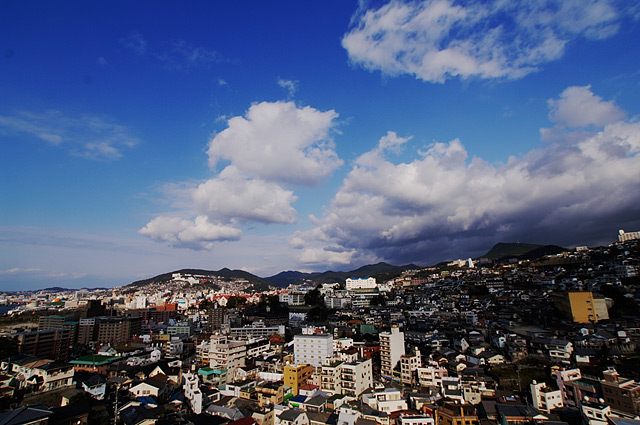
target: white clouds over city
<point>268,153</point>
<point>444,203</point>
<point>435,40</point>
<point>280,142</point>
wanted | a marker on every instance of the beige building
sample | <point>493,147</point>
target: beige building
<point>544,398</point>
<point>347,378</point>
<point>226,354</point>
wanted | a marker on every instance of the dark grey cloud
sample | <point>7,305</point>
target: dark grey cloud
<point>578,189</point>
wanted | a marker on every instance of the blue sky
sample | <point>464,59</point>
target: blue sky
<point>141,137</point>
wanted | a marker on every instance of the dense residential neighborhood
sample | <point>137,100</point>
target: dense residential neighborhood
<point>510,340</point>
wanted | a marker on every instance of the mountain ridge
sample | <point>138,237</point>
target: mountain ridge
<point>502,251</point>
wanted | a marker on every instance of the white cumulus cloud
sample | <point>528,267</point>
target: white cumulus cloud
<point>444,203</point>
<point>278,141</point>
<point>439,39</point>
<point>273,147</point>
<point>579,107</point>
<point>199,233</point>
<point>230,196</point>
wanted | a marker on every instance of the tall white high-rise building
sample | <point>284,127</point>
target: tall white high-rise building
<point>391,350</point>
<point>312,349</point>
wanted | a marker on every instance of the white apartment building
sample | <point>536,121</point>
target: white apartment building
<point>330,377</point>
<point>257,347</point>
<point>545,399</point>
<point>356,377</point>
<point>296,297</point>
<point>595,413</point>
<point>348,378</point>
<point>337,302</point>
<point>391,349</point>
<point>312,349</point>
<point>191,388</point>
<point>409,363</point>
<point>173,348</point>
<point>226,354</point>
<point>283,297</point>
<point>256,330</point>
<point>627,236</point>
<point>431,376</point>
<point>361,283</point>
<point>342,344</point>
<point>202,352</point>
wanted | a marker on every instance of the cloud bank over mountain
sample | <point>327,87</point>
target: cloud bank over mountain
<point>444,203</point>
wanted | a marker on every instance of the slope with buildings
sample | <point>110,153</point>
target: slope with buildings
<point>522,341</point>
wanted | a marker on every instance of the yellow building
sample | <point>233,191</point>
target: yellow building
<point>457,414</point>
<point>582,307</point>
<point>296,375</point>
<point>265,394</point>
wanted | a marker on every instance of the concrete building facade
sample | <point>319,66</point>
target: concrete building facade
<point>391,350</point>
<point>312,349</point>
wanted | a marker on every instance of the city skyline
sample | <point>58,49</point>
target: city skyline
<point>138,139</point>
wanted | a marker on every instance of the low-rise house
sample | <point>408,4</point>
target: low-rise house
<point>412,418</point>
<point>292,417</point>
<point>95,385</point>
<point>37,414</point>
<point>41,374</point>
<point>138,415</point>
<point>385,400</point>
<point>155,386</point>
<point>557,350</point>
<point>492,358</point>
<point>595,413</point>
<point>213,376</point>
<point>315,404</point>
<point>322,418</point>
<point>451,388</point>
<point>94,363</point>
<point>518,414</point>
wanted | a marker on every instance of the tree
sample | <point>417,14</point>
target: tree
<point>235,302</point>
<point>313,298</point>
<point>318,313</point>
<point>378,300</point>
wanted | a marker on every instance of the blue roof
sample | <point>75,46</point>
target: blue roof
<point>298,399</point>
<point>147,400</point>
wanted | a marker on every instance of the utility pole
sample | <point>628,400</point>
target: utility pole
<point>115,410</point>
